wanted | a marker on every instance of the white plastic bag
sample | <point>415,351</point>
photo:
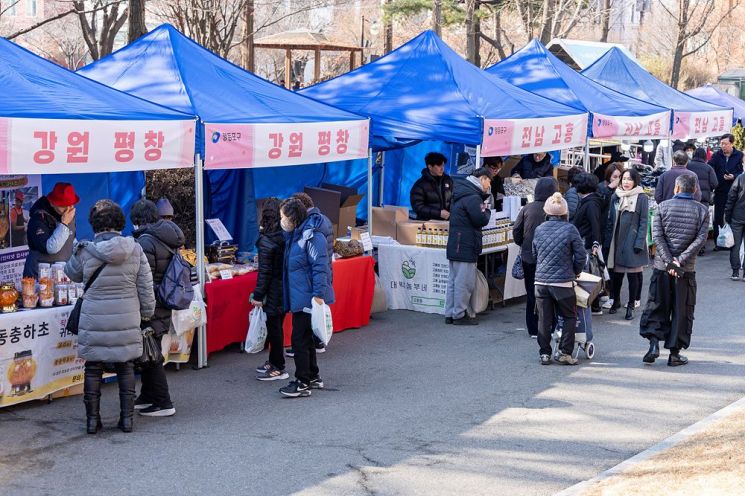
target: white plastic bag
<point>726,238</point>
<point>183,321</point>
<point>256,331</point>
<point>320,320</point>
<point>479,301</point>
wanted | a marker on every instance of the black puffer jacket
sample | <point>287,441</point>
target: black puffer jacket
<point>679,230</point>
<point>723,165</point>
<point>271,248</point>
<point>589,219</point>
<point>156,240</point>
<point>466,220</point>
<point>531,216</point>
<point>707,179</point>
<point>430,195</point>
<point>735,208</point>
<point>528,168</point>
<point>558,250</point>
<point>43,220</point>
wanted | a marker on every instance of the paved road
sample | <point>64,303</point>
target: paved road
<point>413,407</point>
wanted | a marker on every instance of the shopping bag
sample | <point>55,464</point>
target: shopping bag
<point>517,268</point>
<point>320,320</point>
<point>256,331</point>
<point>151,353</point>
<point>183,321</point>
<point>726,238</point>
<point>480,296</point>
<point>380,300</point>
<point>587,288</point>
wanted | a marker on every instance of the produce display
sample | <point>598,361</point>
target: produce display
<point>437,237</point>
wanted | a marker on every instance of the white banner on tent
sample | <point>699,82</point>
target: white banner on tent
<point>687,125</point>
<point>521,136</point>
<point>60,146</point>
<point>655,126</point>
<point>280,144</point>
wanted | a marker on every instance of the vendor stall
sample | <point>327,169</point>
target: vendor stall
<point>227,312</point>
<point>53,121</point>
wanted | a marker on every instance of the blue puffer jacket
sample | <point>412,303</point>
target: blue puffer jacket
<point>307,269</point>
<point>559,252</point>
<point>321,223</point>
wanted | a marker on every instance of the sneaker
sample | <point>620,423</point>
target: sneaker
<point>320,348</point>
<point>156,411</point>
<point>466,320</point>
<point>289,352</point>
<point>295,389</point>
<point>142,404</point>
<point>273,374</point>
<point>448,320</point>
<point>608,303</point>
<point>637,303</point>
<point>565,359</point>
<point>545,359</point>
<point>316,383</point>
<point>604,298</point>
<point>735,274</point>
<point>597,312</point>
<point>267,366</point>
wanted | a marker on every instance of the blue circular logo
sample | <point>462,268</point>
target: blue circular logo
<point>216,136</point>
<point>491,130</point>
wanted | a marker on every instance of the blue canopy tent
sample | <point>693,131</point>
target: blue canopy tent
<point>425,91</point>
<point>534,68</point>
<point>692,118</point>
<point>715,96</point>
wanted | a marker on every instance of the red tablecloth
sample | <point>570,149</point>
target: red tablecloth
<point>228,306</point>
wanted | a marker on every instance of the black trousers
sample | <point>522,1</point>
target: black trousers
<point>125,372</point>
<point>275,337</point>
<point>531,315</point>
<point>155,386</point>
<point>668,315</point>
<point>552,300</point>
<point>738,231</point>
<point>306,366</point>
<point>720,201</point>
<point>635,285</point>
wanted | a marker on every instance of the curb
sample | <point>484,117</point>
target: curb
<point>666,444</point>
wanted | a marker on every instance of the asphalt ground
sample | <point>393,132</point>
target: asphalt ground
<point>412,406</point>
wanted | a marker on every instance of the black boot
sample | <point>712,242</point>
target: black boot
<point>630,311</point>
<point>654,351</point>
<point>92,396</point>
<point>126,377</point>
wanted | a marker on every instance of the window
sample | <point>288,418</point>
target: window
<point>31,8</point>
<point>12,8</point>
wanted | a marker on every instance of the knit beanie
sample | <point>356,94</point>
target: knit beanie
<point>556,205</point>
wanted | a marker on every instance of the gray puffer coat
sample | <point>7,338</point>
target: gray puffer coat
<point>679,230</point>
<point>118,300</point>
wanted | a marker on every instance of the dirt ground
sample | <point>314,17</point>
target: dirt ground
<point>710,463</point>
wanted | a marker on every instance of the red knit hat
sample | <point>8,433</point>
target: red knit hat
<point>63,195</point>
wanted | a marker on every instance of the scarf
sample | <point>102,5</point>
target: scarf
<point>628,199</point>
<point>475,181</point>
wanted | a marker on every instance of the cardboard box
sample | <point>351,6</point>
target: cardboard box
<point>437,224</point>
<point>385,218</point>
<point>338,203</point>
<point>406,231</point>
<point>356,231</point>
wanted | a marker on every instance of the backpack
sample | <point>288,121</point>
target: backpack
<point>175,290</point>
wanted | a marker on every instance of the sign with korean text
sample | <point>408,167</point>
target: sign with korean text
<point>59,146</point>
<point>414,278</point>
<point>655,126</point>
<point>17,194</point>
<point>687,125</point>
<point>37,355</point>
<point>271,145</point>
<point>521,136</point>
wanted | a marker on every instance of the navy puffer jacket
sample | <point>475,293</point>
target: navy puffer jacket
<point>307,270</point>
<point>559,252</point>
<point>467,217</point>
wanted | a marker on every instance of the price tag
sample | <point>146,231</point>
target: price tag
<point>226,274</point>
<point>366,241</point>
<point>219,229</point>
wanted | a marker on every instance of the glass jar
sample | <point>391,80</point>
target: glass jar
<point>8,297</point>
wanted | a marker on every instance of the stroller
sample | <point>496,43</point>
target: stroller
<point>582,335</point>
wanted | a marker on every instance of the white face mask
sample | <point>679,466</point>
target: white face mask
<point>690,155</point>
<point>286,225</point>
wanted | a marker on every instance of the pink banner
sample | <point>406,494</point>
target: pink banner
<point>687,125</point>
<point>655,126</point>
<point>62,146</point>
<point>522,136</point>
<point>230,146</point>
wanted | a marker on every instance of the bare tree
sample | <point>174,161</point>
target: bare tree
<point>548,19</point>
<point>137,25</point>
<point>605,13</point>
<point>101,24</point>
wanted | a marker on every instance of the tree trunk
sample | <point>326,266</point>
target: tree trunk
<point>248,47</point>
<point>498,34</point>
<point>387,32</point>
<point>437,17</point>
<point>477,35</point>
<point>137,25</point>
<point>546,20</point>
<point>605,21</point>
<point>470,31</point>
<point>677,59</point>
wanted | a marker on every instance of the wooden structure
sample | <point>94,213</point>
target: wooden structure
<point>304,39</point>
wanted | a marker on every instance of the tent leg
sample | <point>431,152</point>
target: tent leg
<point>478,157</point>
<point>199,189</point>
<point>587,156</point>
<point>369,190</point>
<point>381,182</point>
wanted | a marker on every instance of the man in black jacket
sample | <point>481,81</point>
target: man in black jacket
<point>430,196</point>
<point>727,164</point>
<point>734,215</point>
<point>588,219</point>
<point>707,179</point>
<point>534,166</point>
<point>469,215</point>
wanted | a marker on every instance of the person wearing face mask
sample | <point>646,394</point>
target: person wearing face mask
<point>626,238</point>
<point>666,183</point>
<point>306,278</point>
<point>469,215</point>
<point>727,164</point>
<point>534,166</point>
<point>51,228</point>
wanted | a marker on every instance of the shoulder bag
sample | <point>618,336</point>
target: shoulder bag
<point>73,321</point>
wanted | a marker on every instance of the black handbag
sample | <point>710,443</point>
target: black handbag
<point>151,353</point>
<point>73,320</point>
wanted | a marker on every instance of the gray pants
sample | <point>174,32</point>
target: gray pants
<point>461,284</point>
<point>738,231</point>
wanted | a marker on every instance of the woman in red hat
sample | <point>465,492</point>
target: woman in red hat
<point>18,221</point>
<point>51,228</point>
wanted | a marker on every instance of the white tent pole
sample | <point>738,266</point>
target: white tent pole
<point>381,182</point>
<point>199,190</point>
<point>478,156</point>
<point>369,190</point>
<point>587,155</point>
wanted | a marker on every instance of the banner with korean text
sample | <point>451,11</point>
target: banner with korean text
<point>17,195</point>
<point>521,136</point>
<point>231,146</point>
<point>688,125</point>
<point>37,355</point>
<point>61,146</point>
<point>655,126</point>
